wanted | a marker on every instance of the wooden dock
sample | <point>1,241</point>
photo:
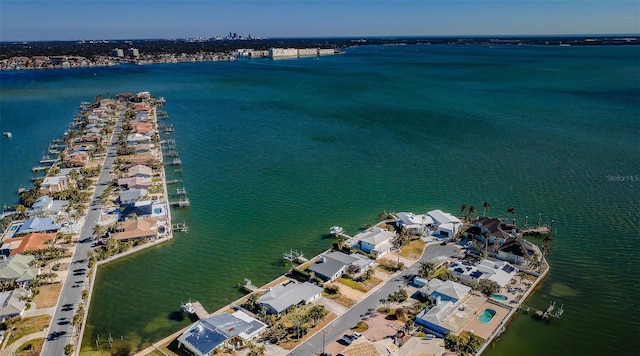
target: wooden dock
<point>201,312</point>
<point>248,285</point>
<point>182,227</point>
<point>182,203</point>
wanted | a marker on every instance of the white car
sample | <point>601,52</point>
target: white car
<point>349,339</point>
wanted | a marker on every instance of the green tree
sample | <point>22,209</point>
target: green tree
<point>69,349</point>
<point>485,207</point>
<point>426,269</point>
<point>510,210</point>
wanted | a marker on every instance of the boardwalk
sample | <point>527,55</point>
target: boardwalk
<point>201,312</point>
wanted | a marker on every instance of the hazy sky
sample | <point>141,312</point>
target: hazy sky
<point>26,20</point>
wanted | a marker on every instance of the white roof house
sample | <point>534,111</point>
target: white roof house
<point>447,295</point>
<point>413,222</point>
<point>333,265</point>
<point>500,272</point>
<point>12,303</point>
<point>375,240</point>
<point>283,296</point>
<point>447,224</point>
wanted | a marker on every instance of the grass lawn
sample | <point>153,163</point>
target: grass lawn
<point>27,326</point>
<point>363,287</point>
<point>31,348</point>
<point>341,299</point>
<point>48,296</point>
<point>413,249</point>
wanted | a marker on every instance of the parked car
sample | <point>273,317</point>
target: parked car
<point>349,339</point>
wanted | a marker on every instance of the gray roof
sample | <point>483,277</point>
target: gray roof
<point>331,264</point>
<point>131,195</point>
<point>280,297</point>
<point>207,334</point>
<point>17,268</point>
<point>12,303</point>
<point>38,225</point>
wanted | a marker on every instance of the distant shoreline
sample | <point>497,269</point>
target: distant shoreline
<point>73,54</point>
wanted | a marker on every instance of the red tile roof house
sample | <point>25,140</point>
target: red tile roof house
<point>31,242</point>
<point>137,230</point>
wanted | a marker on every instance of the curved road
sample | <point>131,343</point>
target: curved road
<point>337,328</point>
<point>61,330</point>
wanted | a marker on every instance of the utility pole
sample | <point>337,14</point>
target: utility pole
<point>323,332</point>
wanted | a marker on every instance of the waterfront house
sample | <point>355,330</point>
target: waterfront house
<point>146,209</point>
<point>136,229</point>
<point>226,330</point>
<point>54,184</point>
<point>141,127</point>
<point>518,251</point>
<point>137,138</point>
<point>139,170</point>
<point>335,264</point>
<point>13,303</point>
<point>376,241</point>
<point>283,296</point>
<point>16,270</point>
<point>135,182</point>
<point>493,230</point>
<point>444,290</point>
<point>37,224</point>
<point>131,196</point>
<point>415,224</point>
<point>142,148</point>
<point>31,242</point>
<point>500,272</point>
<point>77,159</point>
<point>47,206</point>
<point>446,225</point>
<point>448,297</point>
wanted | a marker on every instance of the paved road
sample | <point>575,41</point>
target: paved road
<point>61,330</point>
<point>335,330</point>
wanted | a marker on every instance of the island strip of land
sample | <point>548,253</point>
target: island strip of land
<point>99,193</point>
<point>412,283</point>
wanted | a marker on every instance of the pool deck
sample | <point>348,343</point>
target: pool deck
<point>484,330</point>
<point>11,230</point>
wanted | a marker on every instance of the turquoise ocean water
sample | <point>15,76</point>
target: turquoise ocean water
<point>276,152</point>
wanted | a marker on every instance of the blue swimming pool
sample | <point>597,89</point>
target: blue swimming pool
<point>499,296</point>
<point>486,316</point>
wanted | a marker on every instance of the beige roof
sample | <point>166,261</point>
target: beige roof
<point>139,169</point>
<point>137,229</point>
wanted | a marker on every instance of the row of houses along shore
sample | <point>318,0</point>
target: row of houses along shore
<point>428,282</point>
<point>99,193</point>
<point>456,283</point>
<point>134,56</point>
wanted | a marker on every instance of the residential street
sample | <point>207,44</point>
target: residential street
<point>335,330</point>
<point>61,330</point>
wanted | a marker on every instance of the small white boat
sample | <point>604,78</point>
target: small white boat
<point>7,134</point>
<point>188,307</point>
<point>335,230</point>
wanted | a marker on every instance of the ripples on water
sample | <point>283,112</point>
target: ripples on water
<point>276,152</point>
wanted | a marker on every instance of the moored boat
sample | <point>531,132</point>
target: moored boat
<point>188,307</point>
<point>7,134</point>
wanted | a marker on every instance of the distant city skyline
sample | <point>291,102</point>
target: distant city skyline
<point>118,19</point>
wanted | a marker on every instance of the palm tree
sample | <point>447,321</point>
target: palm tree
<point>426,269</point>
<point>510,210</point>
<point>472,210</point>
<point>463,207</point>
<point>485,207</point>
